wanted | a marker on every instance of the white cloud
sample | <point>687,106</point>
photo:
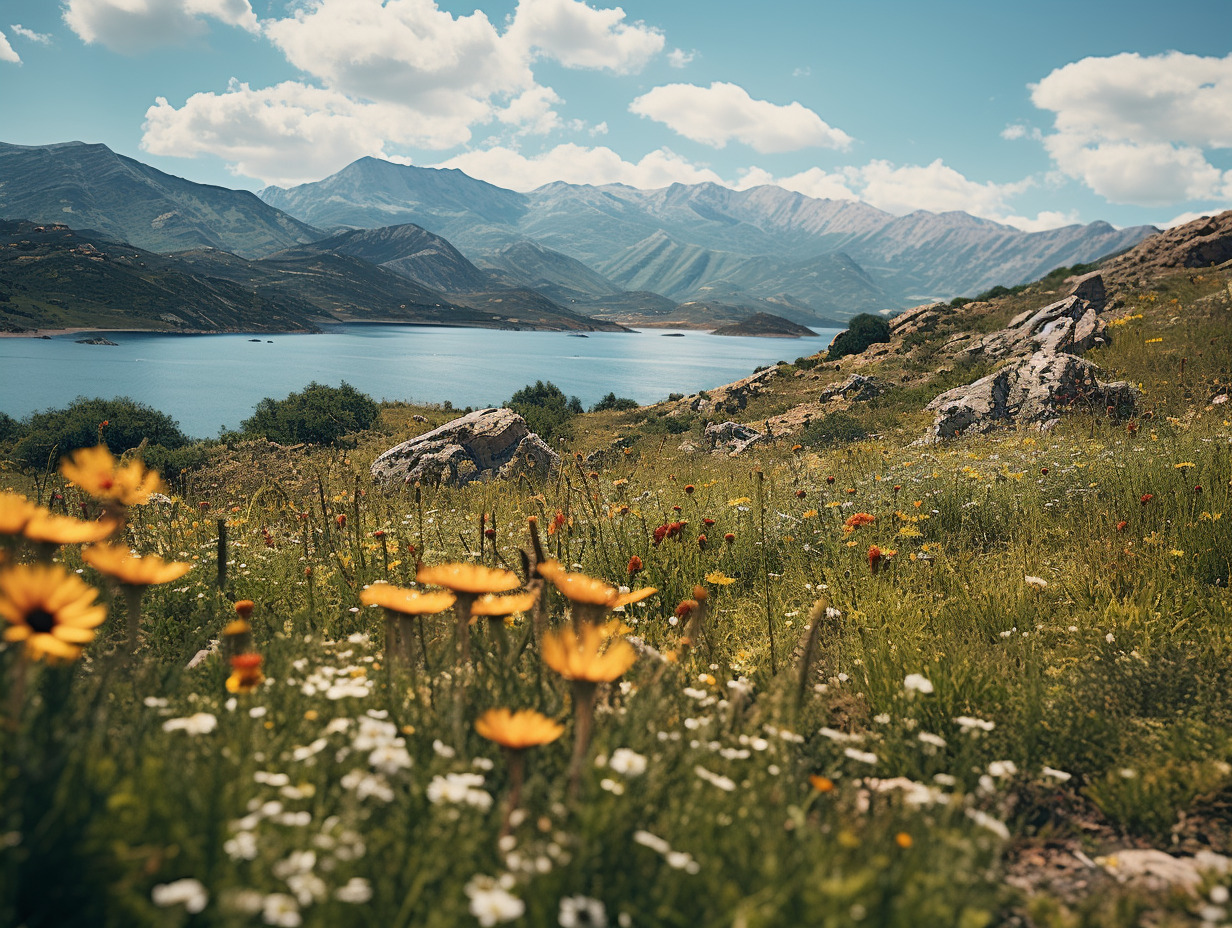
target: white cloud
<point>131,26</point>
<point>580,36</point>
<point>6,51</point>
<point>403,51</point>
<point>290,133</point>
<point>679,58</point>
<point>814,183</point>
<point>1044,220</point>
<point>935,187</point>
<point>532,111</point>
<point>724,112</point>
<point>1136,129</point>
<point>29,34</point>
<point>1016,131</point>
<point>1181,220</point>
<point>577,164</point>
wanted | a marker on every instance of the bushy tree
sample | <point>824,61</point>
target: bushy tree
<point>612,401</point>
<point>546,410</point>
<point>122,423</point>
<point>320,415</point>
<point>863,330</point>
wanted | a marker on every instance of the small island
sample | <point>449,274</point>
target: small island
<point>766,325</point>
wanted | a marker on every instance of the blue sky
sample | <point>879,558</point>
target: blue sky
<point>1036,114</point>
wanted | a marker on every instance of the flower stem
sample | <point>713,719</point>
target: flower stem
<point>132,598</point>
<point>517,766</point>
<point>583,721</point>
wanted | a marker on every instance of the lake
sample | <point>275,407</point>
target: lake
<point>210,382</point>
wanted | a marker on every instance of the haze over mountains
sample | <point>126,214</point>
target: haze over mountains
<point>391,242</point>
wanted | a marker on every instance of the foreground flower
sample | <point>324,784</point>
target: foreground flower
<point>468,582</point>
<point>592,599</point>
<point>53,611</point>
<point>246,673</point>
<point>515,732</point>
<point>65,530</point>
<point>97,472</point>
<point>15,512</point>
<point>187,892</point>
<point>132,569</point>
<point>134,573</point>
<point>399,605</point>
<point>582,658</point>
<point>518,730</point>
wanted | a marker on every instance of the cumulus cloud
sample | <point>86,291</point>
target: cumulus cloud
<point>723,112</point>
<point>814,183</point>
<point>403,50</point>
<point>679,58</point>
<point>577,164</point>
<point>1016,131</point>
<point>1136,129</point>
<point>935,187</point>
<point>30,35</point>
<point>6,51</point>
<point>580,36</point>
<point>290,133</point>
<point>132,26</point>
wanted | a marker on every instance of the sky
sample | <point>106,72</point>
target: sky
<point>1036,114</point>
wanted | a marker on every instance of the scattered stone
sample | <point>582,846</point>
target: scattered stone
<point>1158,872</point>
<point>483,444</point>
<point>734,396</point>
<point>855,387</point>
<point>731,437</point>
<point>1034,389</point>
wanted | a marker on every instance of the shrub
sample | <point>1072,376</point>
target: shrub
<point>833,429</point>
<point>863,330</point>
<point>122,423</point>
<point>614,402</point>
<point>546,410</point>
<point>320,415</point>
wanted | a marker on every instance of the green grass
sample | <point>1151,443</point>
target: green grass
<point>1101,699</point>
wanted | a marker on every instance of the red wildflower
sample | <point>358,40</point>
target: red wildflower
<point>701,542</point>
<point>689,488</point>
<point>800,494</point>
<point>1146,498</point>
<point>707,522</point>
<point>855,521</point>
<point>1120,526</point>
<point>829,480</point>
<point>340,519</point>
<point>635,565</point>
<point>729,537</point>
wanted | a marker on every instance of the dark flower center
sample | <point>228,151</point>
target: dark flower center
<point>40,620</point>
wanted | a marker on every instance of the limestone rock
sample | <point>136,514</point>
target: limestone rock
<point>1071,325</point>
<point>731,437</point>
<point>1033,389</point>
<point>855,387</point>
<point>733,397</point>
<point>484,443</point>
<point>1090,287</point>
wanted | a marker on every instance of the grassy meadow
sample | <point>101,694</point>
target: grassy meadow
<point>880,683</point>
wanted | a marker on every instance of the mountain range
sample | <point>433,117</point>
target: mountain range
<point>392,242</point>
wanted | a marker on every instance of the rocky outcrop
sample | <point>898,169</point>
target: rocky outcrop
<point>1202,243</point>
<point>855,387</point>
<point>1071,325</point>
<point>731,437</point>
<point>482,444</point>
<point>1047,377</point>
<point>1033,390</point>
<point>734,396</point>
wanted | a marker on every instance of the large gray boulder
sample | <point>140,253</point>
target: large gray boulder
<point>1071,325</point>
<point>482,444</point>
<point>731,437</point>
<point>1032,390</point>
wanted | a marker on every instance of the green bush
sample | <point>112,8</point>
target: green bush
<point>835,428</point>
<point>122,423</point>
<point>546,410</point>
<point>320,415</point>
<point>612,401</point>
<point>863,330</point>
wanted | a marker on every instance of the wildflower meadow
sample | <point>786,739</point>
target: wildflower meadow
<point>850,683</point>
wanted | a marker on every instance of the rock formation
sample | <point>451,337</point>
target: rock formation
<point>1047,376</point>
<point>482,444</point>
<point>855,387</point>
<point>731,437</point>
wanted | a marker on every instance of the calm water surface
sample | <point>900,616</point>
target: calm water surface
<point>208,382</point>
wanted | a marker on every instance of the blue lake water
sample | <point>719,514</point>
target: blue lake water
<point>208,382</point>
